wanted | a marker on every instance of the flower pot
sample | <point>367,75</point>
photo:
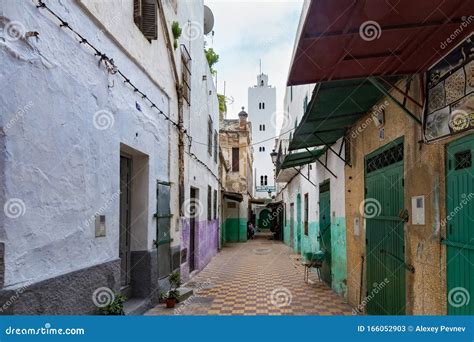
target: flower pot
<point>170,302</point>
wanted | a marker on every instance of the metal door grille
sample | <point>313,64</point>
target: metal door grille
<point>386,158</point>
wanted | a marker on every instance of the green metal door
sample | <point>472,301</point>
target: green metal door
<point>460,226</point>
<point>382,209</point>
<point>298,223</point>
<point>325,234</point>
<point>292,225</point>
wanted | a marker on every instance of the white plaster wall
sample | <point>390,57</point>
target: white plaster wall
<point>262,161</point>
<point>153,58</point>
<point>57,162</point>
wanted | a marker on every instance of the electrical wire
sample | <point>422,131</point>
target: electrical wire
<point>253,144</point>
<point>113,69</point>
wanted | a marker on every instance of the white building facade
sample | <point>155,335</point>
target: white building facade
<point>313,196</point>
<point>262,112</point>
<point>89,151</point>
<point>199,221</point>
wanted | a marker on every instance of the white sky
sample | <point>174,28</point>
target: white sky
<point>247,31</point>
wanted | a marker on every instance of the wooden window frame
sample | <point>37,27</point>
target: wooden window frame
<point>145,16</point>
<point>210,130</point>
<point>235,159</point>
<point>216,145</point>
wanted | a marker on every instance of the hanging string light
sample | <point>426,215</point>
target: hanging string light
<point>110,66</point>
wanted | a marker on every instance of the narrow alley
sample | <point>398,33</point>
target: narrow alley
<point>259,277</point>
<point>210,157</point>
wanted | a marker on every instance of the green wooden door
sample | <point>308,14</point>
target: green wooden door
<point>460,226</point>
<point>292,225</point>
<point>384,202</point>
<point>325,234</point>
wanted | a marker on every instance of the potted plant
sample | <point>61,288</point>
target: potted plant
<point>115,308</point>
<point>171,298</point>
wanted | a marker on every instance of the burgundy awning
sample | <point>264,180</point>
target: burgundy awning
<point>345,39</point>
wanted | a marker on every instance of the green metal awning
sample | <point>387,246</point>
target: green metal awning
<point>334,107</point>
<point>302,158</point>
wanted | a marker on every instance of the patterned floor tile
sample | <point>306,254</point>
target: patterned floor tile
<point>259,277</point>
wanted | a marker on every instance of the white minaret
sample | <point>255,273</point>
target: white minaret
<point>261,110</point>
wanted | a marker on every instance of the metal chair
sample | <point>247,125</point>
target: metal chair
<point>313,260</point>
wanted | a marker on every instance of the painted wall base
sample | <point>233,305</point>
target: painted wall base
<point>206,244</point>
<point>68,294</point>
<point>310,243</point>
<point>235,230</point>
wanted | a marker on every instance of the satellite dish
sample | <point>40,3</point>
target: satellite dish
<point>208,20</point>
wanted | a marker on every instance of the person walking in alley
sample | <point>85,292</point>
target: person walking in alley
<point>250,230</point>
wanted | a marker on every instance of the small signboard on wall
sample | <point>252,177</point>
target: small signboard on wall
<point>449,95</point>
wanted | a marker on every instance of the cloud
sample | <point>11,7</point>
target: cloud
<point>247,31</point>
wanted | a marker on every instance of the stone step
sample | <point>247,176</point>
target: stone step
<point>184,293</point>
<point>136,306</point>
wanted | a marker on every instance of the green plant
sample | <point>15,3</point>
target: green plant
<point>222,103</point>
<point>173,294</point>
<point>212,58</point>
<point>175,280</point>
<point>115,308</point>
<point>176,30</point>
<point>175,283</point>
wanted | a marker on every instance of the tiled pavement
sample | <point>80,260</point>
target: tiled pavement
<point>259,277</point>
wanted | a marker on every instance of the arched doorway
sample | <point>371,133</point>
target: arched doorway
<point>264,219</point>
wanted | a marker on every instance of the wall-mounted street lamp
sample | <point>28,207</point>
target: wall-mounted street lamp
<point>274,156</point>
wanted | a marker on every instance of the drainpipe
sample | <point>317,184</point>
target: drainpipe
<point>179,93</point>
